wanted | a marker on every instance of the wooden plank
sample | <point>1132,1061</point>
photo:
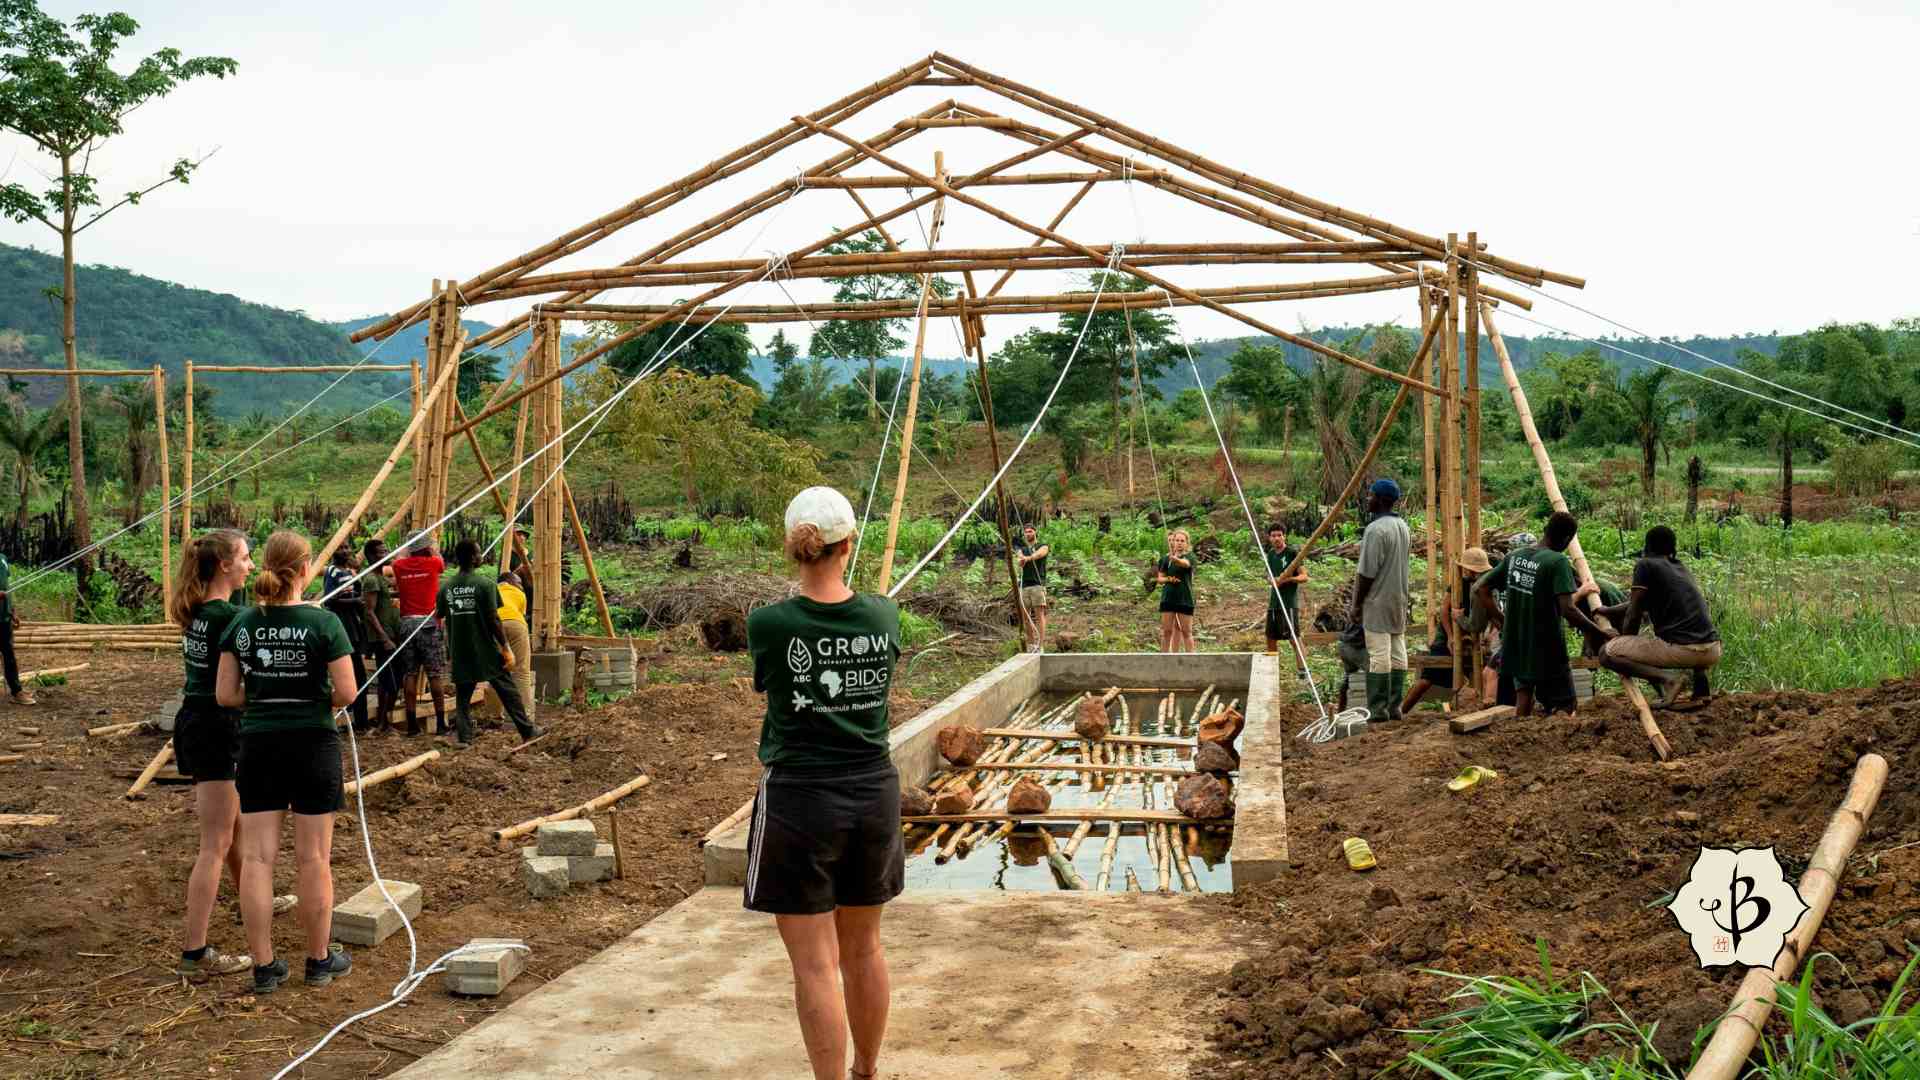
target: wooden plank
<point>1475,721</point>
<point>1067,813</point>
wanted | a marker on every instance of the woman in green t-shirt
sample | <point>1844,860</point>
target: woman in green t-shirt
<point>287,665</point>
<point>1174,571</point>
<point>206,737</point>
<point>824,849</point>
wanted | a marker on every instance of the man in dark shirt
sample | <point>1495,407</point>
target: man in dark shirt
<point>1683,638</point>
<point>1031,555</point>
<point>1539,586</point>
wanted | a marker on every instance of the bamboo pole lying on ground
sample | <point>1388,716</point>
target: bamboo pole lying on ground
<point>391,772</point>
<point>152,770</point>
<point>68,670</point>
<point>504,836</point>
<point>1726,1054</point>
<point>8,759</point>
<point>1552,485</point>
<point>115,729</point>
<point>28,820</point>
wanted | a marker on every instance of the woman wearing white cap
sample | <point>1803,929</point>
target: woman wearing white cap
<point>824,849</point>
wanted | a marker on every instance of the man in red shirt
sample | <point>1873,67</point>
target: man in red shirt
<point>416,578</point>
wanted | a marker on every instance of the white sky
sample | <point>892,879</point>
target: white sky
<point>1709,167</point>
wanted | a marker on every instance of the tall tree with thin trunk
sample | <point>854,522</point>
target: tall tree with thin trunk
<point>58,88</point>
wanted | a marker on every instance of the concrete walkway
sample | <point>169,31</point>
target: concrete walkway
<point>1016,984</point>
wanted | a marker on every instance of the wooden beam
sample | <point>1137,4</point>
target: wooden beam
<point>1475,721</point>
<point>586,556</point>
<point>105,373</point>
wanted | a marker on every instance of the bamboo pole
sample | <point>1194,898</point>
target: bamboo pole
<point>1167,742</point>
<point>391,772</point>
<point>1181,860</point>
<point>1107,851</point>
<point>619,849</point>
<point>548,511</point>
<point>1339,507</point>
<point>186,462</point>
<point>491,479</point>
<point>115,730</point>
<point>1429,478</point>
<point>1475,536</point>
<point>1456,549</point>
<point>83,372</point>
<point>913,393</point>
<point>1552,485</point>
<point>440,384</point>
<point>399,512</point>
<point>1725,1056</point>
<point>586,556</point>
<point>852,183</point>
<point>152,770</point>
<point>1093,769</point>
<point>14,821</point>
<point>1066,813</point>
<point>1133,881</point>
<point>1029,628</point>
<point>727,823</point>
<point>68,670</point>
<point>295,369</point>
<point>504,837</point>
<point>166,489</point>
<point>1062,865</point>
<point>513,496</point>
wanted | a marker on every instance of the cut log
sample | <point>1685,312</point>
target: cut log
<point>1476,721</point>
<point>504,837</point>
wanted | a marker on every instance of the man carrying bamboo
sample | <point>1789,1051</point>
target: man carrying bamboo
<point>1031,555</point>
<point>1684,637</point>
<point>1539,586</point>
<point>1381,598</point>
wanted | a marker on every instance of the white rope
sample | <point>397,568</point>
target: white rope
<point>1253,529</point>
<point>1099,290</point>
<point>1146,421</point>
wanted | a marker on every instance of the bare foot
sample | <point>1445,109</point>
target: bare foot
<point>1669,688</point>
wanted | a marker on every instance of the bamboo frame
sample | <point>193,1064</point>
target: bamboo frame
<point>1456,548</point>
<point>166,489</point>
<point>186,463</point>
<point>913,392</point>
<point>586,550</point>
<point>861,183</point>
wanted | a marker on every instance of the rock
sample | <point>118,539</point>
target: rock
<point>1028,797</point>
<point>575,837</point>
<point>1203,797</point>
<point>915,802</point>
<point>1091,721</point>
<point>961,744</point>
<point>1382,896</point>
<point>487,970</point>
<point>545,875</point>
<point>1026,848</point>
<point>1222,727</point>
<point>595,867</point>
<point>1214,758</point>
<point>957,799</point>
<point>367,919</point>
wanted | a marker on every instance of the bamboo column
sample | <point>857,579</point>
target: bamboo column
<point>1575,553</point>
<point>1475,538</point>
<point>413,487</point>
<point>1429,476</point>
<point>186,464</point>
<point>913,392</point>
<point>513,495</point>
<point>1029,629</point>
<point>1456,500</point>
<point>429,449</point>
<point>548,505</point>
<point>586,556</point>
<point>166,489</point>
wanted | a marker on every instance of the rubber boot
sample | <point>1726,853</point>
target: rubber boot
<point>1397,693</point>
<point>413,725</point>
<point>1379,685</point>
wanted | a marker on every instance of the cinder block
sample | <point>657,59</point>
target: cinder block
<point>595,867</point>
<point>367,919</point>
<point>566,838</point>
<point>546,875</point>
<point>486,972</point>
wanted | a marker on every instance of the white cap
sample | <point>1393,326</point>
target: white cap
<point>825,509</point>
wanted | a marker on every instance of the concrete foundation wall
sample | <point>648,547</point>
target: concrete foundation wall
<point>1259,806</point>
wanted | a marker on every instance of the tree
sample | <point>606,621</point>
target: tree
<point>781,350</point>
<point>1650,408</point>
<point>868,339</point>
<point>477,371</point>
<point>1116,339</point>
<point>1260,380</point>
<point>1345,404</point>
<point>802,398</point>
<point>59,89</point>
<point>134,400</point>
<point>723,349</point>
<point>24,435</point>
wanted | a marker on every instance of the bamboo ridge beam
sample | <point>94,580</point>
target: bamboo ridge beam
<point>1014,180</point>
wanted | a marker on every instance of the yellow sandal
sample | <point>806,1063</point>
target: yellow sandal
<point>1359,855</point>
<point>1470,777</point>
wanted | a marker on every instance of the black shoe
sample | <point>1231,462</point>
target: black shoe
<point>322,972</point>
<point>267,979</point>
<point>532,733</point>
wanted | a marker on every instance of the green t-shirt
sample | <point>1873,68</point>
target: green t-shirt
<point>1532,642</point>
<point>200,644</point>
<point>386,608</point>
<point>6,586</point>
<point>284,650</point>
<point>1288,594</point>
<point>1031,573</point>
<point>826,670</point>
<point>1177,596</point>
<point>470,606</point>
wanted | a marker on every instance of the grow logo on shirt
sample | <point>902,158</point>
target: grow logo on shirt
<point>243,640</point>
<point>283,647</point>
<point>853,668</point>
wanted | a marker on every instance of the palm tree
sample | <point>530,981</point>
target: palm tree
<point>134,400</point>
<point>23,436</point>
<point>1651,408</point>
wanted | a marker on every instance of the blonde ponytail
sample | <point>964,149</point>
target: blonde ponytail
<point>284,568</point>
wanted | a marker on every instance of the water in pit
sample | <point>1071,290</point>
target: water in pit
<point>1019,861</point>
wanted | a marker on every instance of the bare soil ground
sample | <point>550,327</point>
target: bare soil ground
<point>90,907</point>
<point>1578,844</point>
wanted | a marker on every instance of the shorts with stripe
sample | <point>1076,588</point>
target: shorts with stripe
<point>823,838</point>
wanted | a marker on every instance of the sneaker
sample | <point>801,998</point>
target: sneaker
<point>25,697</point>
<point>322,972</point>
<point>285,903</point>
<point>268,978</point>
<point>215,962</point>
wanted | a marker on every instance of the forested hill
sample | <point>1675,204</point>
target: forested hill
<point>129,320</point>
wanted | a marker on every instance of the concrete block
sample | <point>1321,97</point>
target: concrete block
<point>595,867</point>
<point>566,838</point>
<point>367,919</point>
<point>553,675</point>
<point>486,972</point>
<point>545,875</point>
<point>163,716</point>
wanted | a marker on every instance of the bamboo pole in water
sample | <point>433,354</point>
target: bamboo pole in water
<point>1133,882</point>
<point>1061,863</point>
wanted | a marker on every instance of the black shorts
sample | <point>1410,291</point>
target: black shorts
<point>1552,688</point>
<point>1175,610</point>
<point>206,741</point>
<point>1277,626</point>
<point>291,770</point>
<point>392,671</point>
<point>1441,677</point>
<point>824,838</point>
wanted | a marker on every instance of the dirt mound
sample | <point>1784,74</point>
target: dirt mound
<point>1579,844</point>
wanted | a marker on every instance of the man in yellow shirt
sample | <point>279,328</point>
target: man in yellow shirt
<point>513,619</point>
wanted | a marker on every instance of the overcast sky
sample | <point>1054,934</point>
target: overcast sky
<point>1709,167</point>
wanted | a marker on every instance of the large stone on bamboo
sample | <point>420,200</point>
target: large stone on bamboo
<point>576,837</point>
<point>1214,758</point>
<point>1222,727</point>
<point>1090,723</point>
<point>957,799</point>
<point>488,968</point>
<point>1203,797</point>
<point>961,744</point>
<point>367,919</point>
<point>1028,797</point>
<point>915,802</point>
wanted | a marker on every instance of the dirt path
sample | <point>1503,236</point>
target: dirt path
<point>1578,844</point>
<point>89,908</point>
